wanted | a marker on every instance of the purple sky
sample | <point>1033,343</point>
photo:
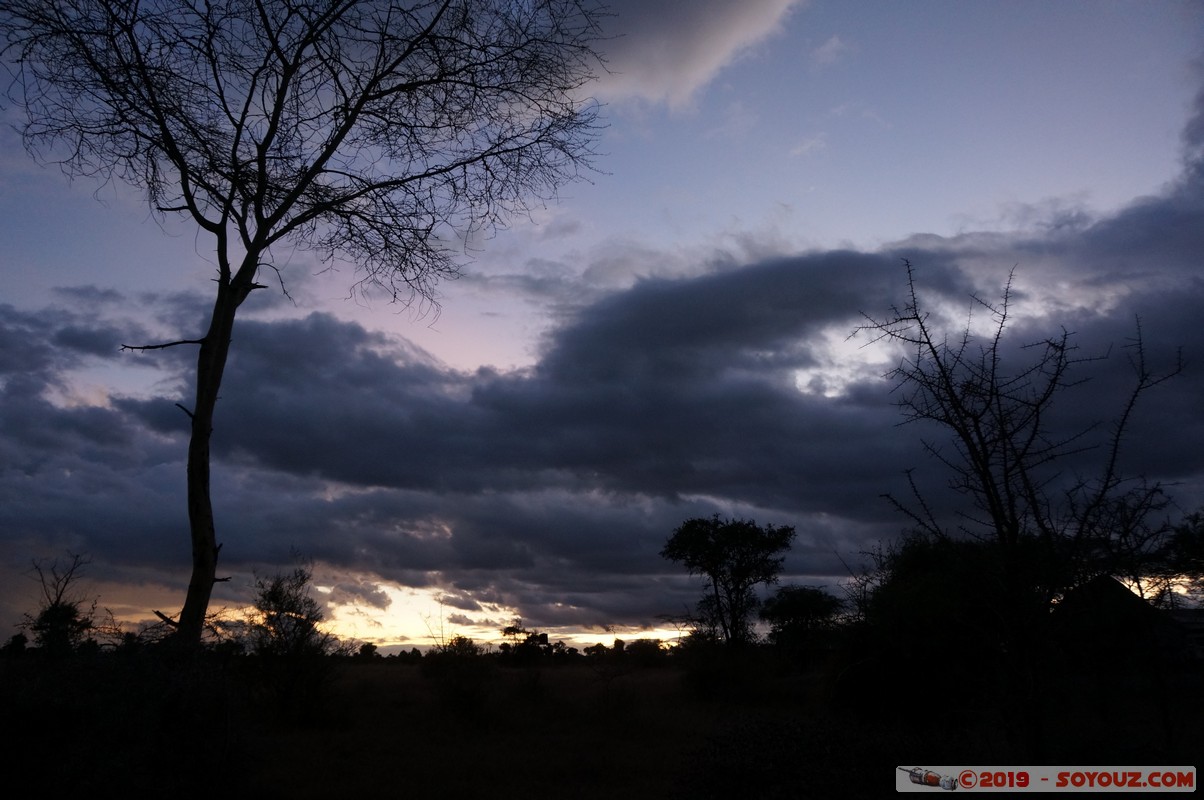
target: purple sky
<point>668,341</point>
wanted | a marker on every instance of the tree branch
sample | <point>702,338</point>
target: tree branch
<point>165,345</point>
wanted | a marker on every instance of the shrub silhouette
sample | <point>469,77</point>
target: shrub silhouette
<point>290,650</point>
<point>461,672</point>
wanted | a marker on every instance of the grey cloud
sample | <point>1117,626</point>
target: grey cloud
<point>830,51</point>
<point>1193,131</point>
<point>665,51</point>
<point>460,601</point>
<point>358,593</point>
<point>25,346</point>
<point>92,296</point>
<point>89,339</point>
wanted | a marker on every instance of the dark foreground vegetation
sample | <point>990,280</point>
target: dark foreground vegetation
<point>833,719</point>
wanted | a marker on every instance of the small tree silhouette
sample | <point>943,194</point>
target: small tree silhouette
<point>798,616</point>
<point>284,632</point>
<point>286,620</point>
<point>62,623</point>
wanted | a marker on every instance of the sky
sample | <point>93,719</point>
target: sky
<point>669,340</point>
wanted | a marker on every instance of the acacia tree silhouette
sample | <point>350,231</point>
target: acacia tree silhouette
<point>1046,528</point>
<point>797,614</point>
<point>373,132</point>
<point>1007,453</point>
<point>735,556</point>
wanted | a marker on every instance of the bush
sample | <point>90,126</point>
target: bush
<point>291,652</point>
<point>461,671</point>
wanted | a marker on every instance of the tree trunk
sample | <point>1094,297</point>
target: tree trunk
<point>211,364</point>
<point>721,614</point>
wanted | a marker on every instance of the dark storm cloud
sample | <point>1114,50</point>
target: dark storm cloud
<point>71,472</point>
<point>25,346</point>
<point>672,388</point>
<point>551,489</point>
<point>677,397</point>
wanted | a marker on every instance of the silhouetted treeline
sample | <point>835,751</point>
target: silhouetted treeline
<point>943,650</point>
<point>918,676</point>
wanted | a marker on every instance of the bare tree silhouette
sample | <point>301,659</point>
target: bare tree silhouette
<point>375,133</point>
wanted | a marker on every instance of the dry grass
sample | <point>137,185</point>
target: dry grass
<point>567,731</point>
<point>150,728</point>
